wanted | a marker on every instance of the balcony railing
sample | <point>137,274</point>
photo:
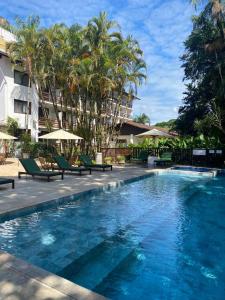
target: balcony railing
<point>128,105</point>
<point>53,123</point>
<point>47,98</point>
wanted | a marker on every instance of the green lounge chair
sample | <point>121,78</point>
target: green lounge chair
<point>165,158</point>
<point>142,157</point>
<point>64,165</point>
<point>32,169</point>
<point>87,162</point>
<point>6,181</point>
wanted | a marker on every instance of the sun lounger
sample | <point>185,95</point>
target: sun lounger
<point>7,181</point>
<point>142,157</point>
<point>165,158</point>
<point>64,165</point>
<point>87,162</point>
<point>33,169</point>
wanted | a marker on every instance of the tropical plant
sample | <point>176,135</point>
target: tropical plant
<point>26,145</point>
<point>108,159</point>
<point>142,118</point>
<point>121,159</point>
<point>187,142</point>
<point>203,111</point>
<point>12,126</point>
<point>86,71</point>
<point>167,124</point>
<point>24,51</point>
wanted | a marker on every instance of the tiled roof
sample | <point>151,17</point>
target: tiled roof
<point>147,127</point>
<point>139,125</point>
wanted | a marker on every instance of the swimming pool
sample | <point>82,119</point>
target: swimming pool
<point>161,237</point>
<point>193,169</point>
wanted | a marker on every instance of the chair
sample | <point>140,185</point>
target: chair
<point>32,169</point>
<point>64,165</point>
<point>87,162</point>
<point>165,158</point>
<point>142,157</point>
<point>6,181</point>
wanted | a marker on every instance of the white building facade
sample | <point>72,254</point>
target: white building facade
<point>15,94</point>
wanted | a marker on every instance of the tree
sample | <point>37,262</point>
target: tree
<point>167,124</point>
<point>204,65</point>
<point>142,118</point>
<point>24,51</point>
<point>12,126</point>
<point>85,71</point>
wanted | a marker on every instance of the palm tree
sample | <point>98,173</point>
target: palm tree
<point>92,67</point>
<point>24,51</point>
<point>142,118</point>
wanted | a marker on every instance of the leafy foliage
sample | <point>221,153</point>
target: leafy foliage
<point>187,142</point>
<point>142,118</point>
<point>204,66</point>
<point>12,126</point>
<point>81,69</point>
<point>167,124</point>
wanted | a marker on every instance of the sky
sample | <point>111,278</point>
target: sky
<point>160,27</point>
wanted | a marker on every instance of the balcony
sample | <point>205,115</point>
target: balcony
<point>47,98</point>
<point>53,123</point>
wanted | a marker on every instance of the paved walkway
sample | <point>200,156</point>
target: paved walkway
<point>29,192</point>
<point>22,281</point>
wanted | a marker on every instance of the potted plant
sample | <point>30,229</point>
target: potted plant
<point>108,160</point>
<point>26,146</point>
<point>121,159</point>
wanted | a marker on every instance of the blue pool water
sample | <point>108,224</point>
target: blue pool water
<point>190,168</point>
<point>162,237</point>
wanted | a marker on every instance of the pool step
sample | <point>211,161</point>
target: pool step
<point>92,267</point>
<point>134,265</point>
<point>96,242</point>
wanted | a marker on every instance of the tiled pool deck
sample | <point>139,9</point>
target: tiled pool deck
<point>22,281</point>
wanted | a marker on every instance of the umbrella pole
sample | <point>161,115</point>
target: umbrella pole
<point>61,147</point>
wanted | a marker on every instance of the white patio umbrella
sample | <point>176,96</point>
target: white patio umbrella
<point>5,136</point>
<point>60,135</point>
<point>154,133</point>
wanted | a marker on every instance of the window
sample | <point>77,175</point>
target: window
<point>20,107</point>
<point>43,112</point>
<point>21,78</point>
<point>64,116</point>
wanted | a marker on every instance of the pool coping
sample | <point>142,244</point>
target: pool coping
<point>31,273</point>
<point>19,212</point>
<point>48,279</point>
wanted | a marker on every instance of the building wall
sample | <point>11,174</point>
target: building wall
<point>2,97</point>
<point>11,91</point>
<point>130,139</point>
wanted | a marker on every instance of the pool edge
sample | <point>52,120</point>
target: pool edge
<point>19,212</point>
<point>24,273</point>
